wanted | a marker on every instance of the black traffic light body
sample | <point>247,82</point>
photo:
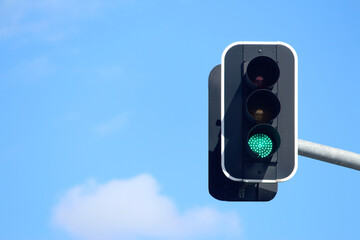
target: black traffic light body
<point>254,139</point>
<point>269,71</point>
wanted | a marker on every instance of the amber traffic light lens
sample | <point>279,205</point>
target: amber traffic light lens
<point>263,105</point>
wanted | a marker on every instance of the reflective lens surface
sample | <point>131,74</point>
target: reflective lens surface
<point>263,72</point>
<point>261,145</point>
<point>263,105</point>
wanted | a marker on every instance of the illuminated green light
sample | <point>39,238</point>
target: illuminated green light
<point>261,144</point>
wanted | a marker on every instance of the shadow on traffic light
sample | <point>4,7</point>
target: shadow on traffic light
<point>220,186</point>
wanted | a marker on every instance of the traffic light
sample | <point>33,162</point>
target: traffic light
<point>258,116</point>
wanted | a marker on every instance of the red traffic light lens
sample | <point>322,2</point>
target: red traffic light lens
<point>262,72</point>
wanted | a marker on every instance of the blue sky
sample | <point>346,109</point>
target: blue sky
<point>104,118</point>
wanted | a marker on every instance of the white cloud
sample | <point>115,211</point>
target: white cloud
<point>112,125</point>
<point>134,208</point>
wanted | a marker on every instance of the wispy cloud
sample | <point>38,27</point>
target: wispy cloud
<point>112,125</point>
<point>30,70</point>
<point>132,208</point>
<point>101,72</point>
<point>44,18</point>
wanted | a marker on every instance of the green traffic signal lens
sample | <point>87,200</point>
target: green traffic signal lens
<point>261,144</point>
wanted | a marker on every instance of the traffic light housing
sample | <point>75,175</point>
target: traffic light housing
<point>258,115</point>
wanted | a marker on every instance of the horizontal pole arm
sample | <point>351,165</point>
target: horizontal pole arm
<point>329,154</point>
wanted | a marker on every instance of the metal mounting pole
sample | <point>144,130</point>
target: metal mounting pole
<point>329,154</point>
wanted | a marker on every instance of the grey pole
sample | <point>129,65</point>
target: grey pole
<point>329,154</point>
